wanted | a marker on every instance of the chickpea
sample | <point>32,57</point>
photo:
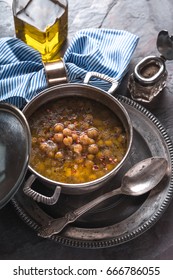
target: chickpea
<point>71,126</point>
<point>58,127</point>
<point>89,118</point>
<point>90,156</point>
<point>77,148</point>
<point>68,141</point>
<point>51,145</point>
<point>100,155</point>
<point>34,140</point>
<point>58,137</point>
<point>66,123</point>
<point>74,136</point>
<point>48,147</point>
<point>50,154</point>
<point>93,149</point>
<point>68,154</point>
<point>92,132</point>
<point>59,155</point>
<point>108,143</point>
<point>89,163</point>
<point>107,153</point>
<point>105,135</point>
<point>85,125</point>
<point>100,143</point>
<point>79,159</point>
<point>43,146</point>
<point>91,141</point>
<point>41,139</point>
<point>67,132</point>
<point>84,139</point>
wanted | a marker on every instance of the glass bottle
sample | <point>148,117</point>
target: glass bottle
<point>42,25</point>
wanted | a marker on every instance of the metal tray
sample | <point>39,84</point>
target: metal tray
<point>120,218</point>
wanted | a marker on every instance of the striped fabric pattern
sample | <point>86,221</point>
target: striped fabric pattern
<point>22,74</point>
<point>106,51</point>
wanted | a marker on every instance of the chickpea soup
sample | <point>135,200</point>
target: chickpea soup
<point>76,140</point>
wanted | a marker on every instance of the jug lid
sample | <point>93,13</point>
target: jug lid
<point>15,147</point>
<point>165,44</point>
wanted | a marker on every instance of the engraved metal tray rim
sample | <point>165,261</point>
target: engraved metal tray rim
<point>92,238</point>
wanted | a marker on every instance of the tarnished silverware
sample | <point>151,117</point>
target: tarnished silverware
<point>140,179</point>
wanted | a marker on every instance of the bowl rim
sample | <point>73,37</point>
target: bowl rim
<point>46,95</point>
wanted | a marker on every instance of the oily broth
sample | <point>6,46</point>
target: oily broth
<point>76,140</point>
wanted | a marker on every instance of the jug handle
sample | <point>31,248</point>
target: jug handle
<point>39,197</point>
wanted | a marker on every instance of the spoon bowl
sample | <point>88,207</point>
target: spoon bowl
<point>143,176</point>
<point>140,179</point>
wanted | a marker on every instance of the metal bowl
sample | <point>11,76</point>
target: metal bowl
<point>86,91</point>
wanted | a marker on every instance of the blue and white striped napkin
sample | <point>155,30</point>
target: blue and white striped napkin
<point>22,73</point>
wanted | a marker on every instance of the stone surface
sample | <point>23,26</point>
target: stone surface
<point>144,18</point>
<point>6,20</point>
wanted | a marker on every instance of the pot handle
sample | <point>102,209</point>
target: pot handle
<point>102,77</point>
<point>39,197</point>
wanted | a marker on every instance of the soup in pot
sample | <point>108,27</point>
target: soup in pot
<point>76,140</point>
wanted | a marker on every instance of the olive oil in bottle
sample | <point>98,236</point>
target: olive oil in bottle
<point>42,25</point>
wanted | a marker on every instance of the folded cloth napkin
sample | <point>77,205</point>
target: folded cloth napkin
<point>22,73</point>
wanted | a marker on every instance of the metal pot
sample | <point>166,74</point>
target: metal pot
<point>83,90</point>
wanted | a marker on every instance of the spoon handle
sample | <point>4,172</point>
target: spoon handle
<point>57,225</point>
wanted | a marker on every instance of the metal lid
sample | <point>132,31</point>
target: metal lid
<point>165,44</point>
<point>15,146</point>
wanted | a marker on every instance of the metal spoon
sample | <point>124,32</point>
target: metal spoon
<point>140,179</point>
